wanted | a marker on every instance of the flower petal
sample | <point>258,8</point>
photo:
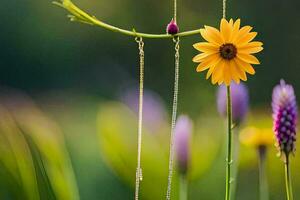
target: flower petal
<point>249,69</point>
<point>241,72</point>
<point>212,35</point>
<point>202,67</point>
<point>235,31</point>
<point>251,45</point>
<point>215,77</point>
<point>246,66</point>
<point>226,30</point>
<point>227,73</point>
<point>244,30</point>
<point>220,81</point>
<point>231,22</point>
<point>210,71</point>
<point>248,58</point>
<point>206,47</point>
<point>208,62</point>
<point>246,38</point>
<point>199,58</point>
<point>250,50</point>
<point>234,73</point>
<point>217,73</point>
<point>213,66</point>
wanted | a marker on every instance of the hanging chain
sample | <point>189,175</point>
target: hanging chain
<point>175,11</point>
<point>174,115</point>
<point>224,9</point>
<point>139,175</point>
<point>174,108</point>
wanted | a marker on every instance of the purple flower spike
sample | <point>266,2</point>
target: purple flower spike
<point>285,113</point>
<point>239,98</point>
<point>182,136</point>
<point>172,28</point>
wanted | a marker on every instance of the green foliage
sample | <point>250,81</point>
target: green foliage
<point>33,151</point>
<point>76,13</point>
<point>16,157</point>
<point>117,131</point>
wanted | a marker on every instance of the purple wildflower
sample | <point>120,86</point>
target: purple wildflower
<point>154,115</point>
<point>182,135</point>
<point>172,28</point>
<point>285,113</point>
<point>239,98</point>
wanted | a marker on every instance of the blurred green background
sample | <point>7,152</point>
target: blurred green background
<point>73,138</point>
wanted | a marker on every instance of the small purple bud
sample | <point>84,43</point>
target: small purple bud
<point>285,113</point>
<point>182,136</point>
<point>239,98</point>
<point>172,28</point>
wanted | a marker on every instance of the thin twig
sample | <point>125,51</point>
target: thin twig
<point>79,15</point>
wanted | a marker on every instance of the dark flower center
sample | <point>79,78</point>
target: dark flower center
<point>228,51</point>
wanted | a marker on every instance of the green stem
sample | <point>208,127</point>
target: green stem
<point>235,158</point>
<point>79,15</point>
<point>183,187</point>
<point>229,145</point>
<point>263,181</point>
<point>288,182</point>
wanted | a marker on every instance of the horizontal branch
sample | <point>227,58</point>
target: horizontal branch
<point>76,14</point>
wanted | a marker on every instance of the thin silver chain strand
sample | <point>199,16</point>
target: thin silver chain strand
<point>174,115</point>
<point>224,9</point>
<point>139,176</point>
<point>175,11</point>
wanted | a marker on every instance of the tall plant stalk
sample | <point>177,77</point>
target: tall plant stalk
<point>229,145</point>
<point>288,182</point>
<point>263,181</point>
<point>183,187</point>
<point>235,170</point>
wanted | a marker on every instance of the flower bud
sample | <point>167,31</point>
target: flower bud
<point>172,28</point>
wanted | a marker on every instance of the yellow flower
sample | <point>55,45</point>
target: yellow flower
<point>227,53</point>
<point>255,137</point>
